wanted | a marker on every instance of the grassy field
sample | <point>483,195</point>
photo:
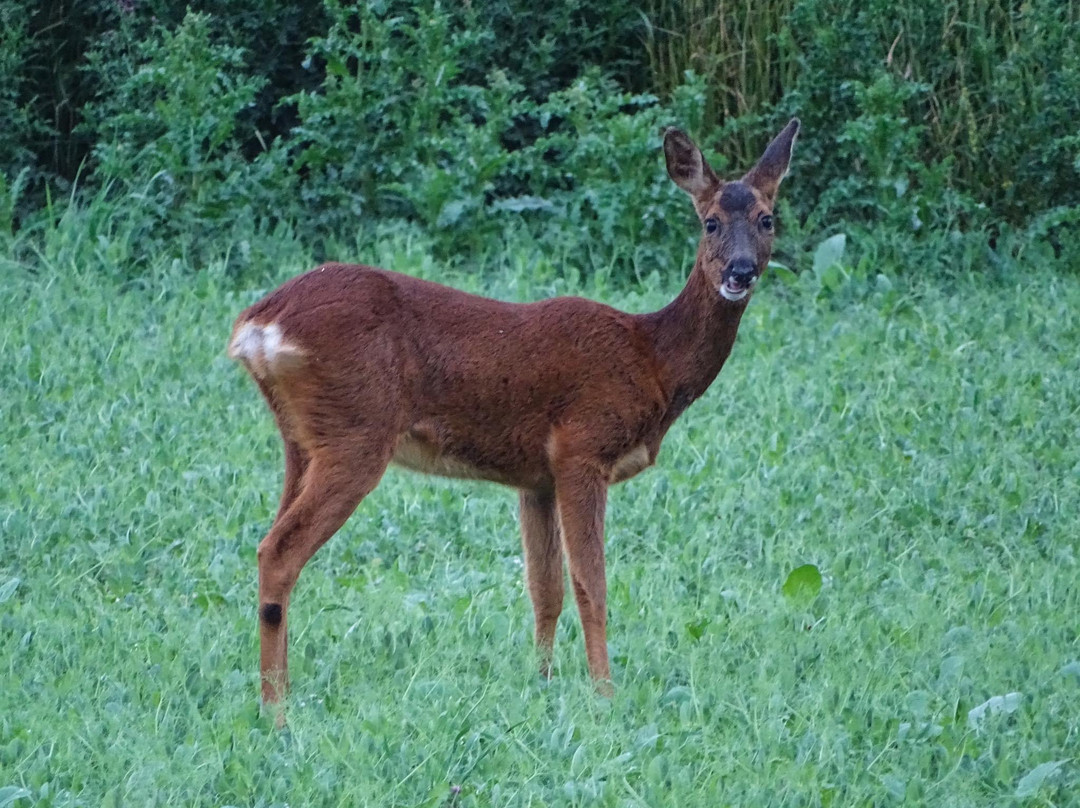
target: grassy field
<point>917,440</point>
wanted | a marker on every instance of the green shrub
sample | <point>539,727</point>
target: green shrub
<point>396,130</point>
<point>20,121</point>
<point>272,38</point>
<point>164,124</point>
<point>546,46</point>
<point>393,131</point>
<point>595,178</point>
<point>16,120</point>
<point>885,91</point>
<point>942,128</point>
<point>989,91</point>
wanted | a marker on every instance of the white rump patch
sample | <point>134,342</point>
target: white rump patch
<point>263,349</point>
<point>246,342</point>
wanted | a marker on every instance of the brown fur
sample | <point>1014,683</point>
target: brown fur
<point>561,398</point>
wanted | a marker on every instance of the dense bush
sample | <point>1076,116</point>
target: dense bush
<point>165,128</point>
<point>16,120</point>
<point>990,92</point>
<point>916,110</point>
<point>42,85</point>
<point>396,129</point>
<point>942,124</point>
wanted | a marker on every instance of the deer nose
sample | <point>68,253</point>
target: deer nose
<point>741,270</point>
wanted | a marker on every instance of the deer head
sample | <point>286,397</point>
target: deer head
<point>736,216</point>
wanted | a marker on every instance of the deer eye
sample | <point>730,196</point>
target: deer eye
<point>711,225</point>
<point>766,223</point>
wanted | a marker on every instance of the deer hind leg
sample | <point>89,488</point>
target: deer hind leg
<point>581,498</point>
<point>296,463</point>
<point>296,458</point>
<point>331,487</point>
<point>543,568</point>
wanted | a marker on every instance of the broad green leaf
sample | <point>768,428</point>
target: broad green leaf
<point>831,277</point>
<point>8,589</point>
<point>676,695</point>
<point>9,795</point>
<point>579,761</point>
<point>646,737</point>
<point>1033,780</point>
<point>803,583</point>
<point>1072,669</point>
<point>829,252</point>
<point>1009,703</point>
<point>895,786</point>
<point>696,628</point>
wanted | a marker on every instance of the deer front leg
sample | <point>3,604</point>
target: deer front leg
<point>543,568</point>
<point>581,498</point>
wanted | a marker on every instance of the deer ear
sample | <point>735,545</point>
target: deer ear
<point>773,165</point>
<point>687,167</point>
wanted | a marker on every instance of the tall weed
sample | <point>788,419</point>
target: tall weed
<point>744,52</point>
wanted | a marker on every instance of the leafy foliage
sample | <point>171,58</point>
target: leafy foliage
<point>165,124</point>
<point>966,107</point>
<point>16,118</point>
<point>802,584</point>
<point>393,131</point>
<point>592,174</point>
<point>930,130</point>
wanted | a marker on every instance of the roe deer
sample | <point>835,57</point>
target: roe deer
<point>559,399</point>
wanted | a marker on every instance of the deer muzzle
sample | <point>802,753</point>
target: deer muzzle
<point>738,278</point>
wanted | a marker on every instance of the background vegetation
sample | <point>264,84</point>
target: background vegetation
<point>865,597</point>
<point>946,129</point>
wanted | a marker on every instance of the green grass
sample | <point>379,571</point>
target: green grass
<point>914,438</point>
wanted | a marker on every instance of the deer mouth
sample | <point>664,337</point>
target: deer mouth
<point>735,288</point>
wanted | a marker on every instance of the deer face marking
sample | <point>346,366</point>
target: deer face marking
<point>737,241</point>
<point>736,216</point>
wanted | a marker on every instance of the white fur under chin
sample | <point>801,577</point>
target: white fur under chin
<point>734,297</point>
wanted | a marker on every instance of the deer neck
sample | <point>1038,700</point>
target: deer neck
<point>692,337</point>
